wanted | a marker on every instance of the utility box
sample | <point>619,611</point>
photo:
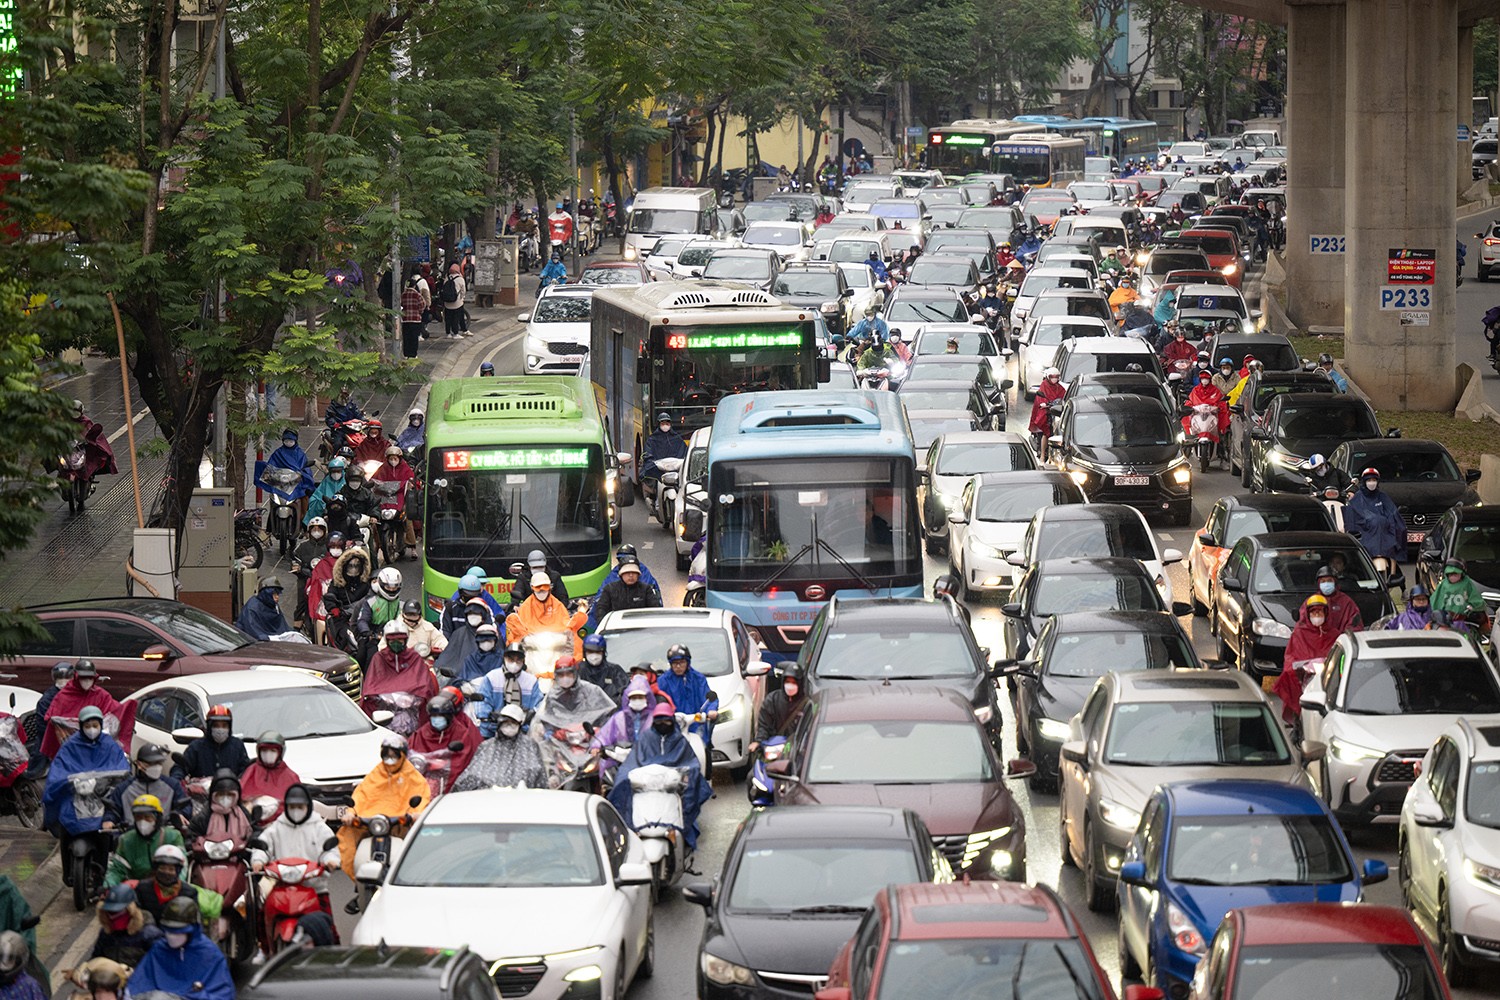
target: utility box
<point>207,545</point>
<point>762,187</point>
<point>497,271</point>
<point>155,562</point>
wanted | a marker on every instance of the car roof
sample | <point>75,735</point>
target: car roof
<point>1119,402</point>
<point>1268,501</point>
<point>930,912</point>
<point>694,618</point>
<point>759,253</point>
<point>1089,512</point>
<point>567,291</point>
<point>882,702</point>
<point>985,437</point>
<point>1188,685</point>
<point>1108,345</point>
<point>1482,734</point>
<point>1400,445</point>
<point>1149,622</point>
<point>1478,514</point>
<point>125,605</point>
<point>1238,337</point>
<point>826,266</point>
<point>859,608</point>
<point>613,265</point>
<point>1239,796</point>
<point>935,384</point>
<point>1222,291</point>
<point>1412,644</point>
<point>1112,565</point>
<point>1319,399</point>
<point>1270,541</point>
<point>832,822</point>
<point>1326,923</point>
<point>949,329</point>
<point>1111,378</point>
<point>1290,378</point>
<point>925,293</point>
<point>494,805</point>
<point>1019,477</point>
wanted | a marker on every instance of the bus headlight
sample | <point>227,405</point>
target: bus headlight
<point>630,252</point>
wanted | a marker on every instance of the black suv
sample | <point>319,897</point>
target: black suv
<point>912,641</point>
<point>1254,400</point>
<point>372,973</point>
<point>1125,449</point>
<point>819,286</point>
<point>1296,426</point>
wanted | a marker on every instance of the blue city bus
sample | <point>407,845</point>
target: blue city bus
<point>1091,132</point>
<point>812,493</point>
<point>1128,138</point>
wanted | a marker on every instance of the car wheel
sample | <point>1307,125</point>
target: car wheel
<point>1484,275</point>
<point>1245,473</point>
<point>1129,970</point>
<point>684,561</point>
<point>647,968</point>
<point>1042,784</point>
<point>1448,947</point>
<point>1099,892</point>
<point>1062,838</point>
<point>1403,870</point>
<point>1199,608</point>
<point>1222,649</point>
<point>619,990</point>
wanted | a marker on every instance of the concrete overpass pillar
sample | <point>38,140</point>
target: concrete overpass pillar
<point>1401,110</point>
<point>1315,174</point>
<point>1465,102</point>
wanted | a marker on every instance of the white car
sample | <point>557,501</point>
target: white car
<point>1038,341</point>
<point>723,652</point>
<point>989,522</point>
<point>557,330</point>
<point>790,240</point>
<point>662,256</point>
<point>1489,252</point>
<point>1093,531</point>
<point>686,531</point>
<point>860,195</point>
<point>1379,701</point>
<point>550,888</point>
<point>329,741</point>
<point>1040,279</point>
<point>1092,194</point>
<point>1449,847</point>
<point>694,257</point>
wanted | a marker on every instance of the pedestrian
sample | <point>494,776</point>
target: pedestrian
<point>453,295</point>
<point>411,319</point>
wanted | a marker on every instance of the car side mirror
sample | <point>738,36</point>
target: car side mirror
<point>1011,610</point>
<point>1471,476</point>
<point>186,735</point>
<point>1181,608</point>
<point>780,768</point>
<point>1008,384</point>
<point>699,893</point>
<point>159,653</point>
<point>634,873</point>
<point>1373,871</point>
<point>1169,556</point>
<point>1313,702</point>
<point>1313,750</point>
<point>1232,583</point>
<point>1204,538</point>
<point>382,717</point>
<point>369,873</point>
<point>624,458</point>
<point>1016,559</point>
<point>1426,812</point>
<point>1394,432</point>
<point>957,517</point>
<point>1020,767</point>
<point>1074,751</point>
<point>1260,434</point>
<point>524,318</point>
<point>757,668</point>
<point>1134,873</point>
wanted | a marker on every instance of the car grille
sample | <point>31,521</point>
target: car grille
<point>348,681</point>
<point>952,848</point>
<point>567,347</point>
<point>1420,520</point>
<point>518,980</point>
<point>1397,770</point>
<point>792,983</point>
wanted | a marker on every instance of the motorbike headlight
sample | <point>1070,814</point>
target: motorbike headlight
<point>1119,815</point>
<point>1052,729</point>
<point>378,826</point>
<point>293,874</point>
<point>1352,753</point>
<point>719,970</point>
<point>1271,628</point>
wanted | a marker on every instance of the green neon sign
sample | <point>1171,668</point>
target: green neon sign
<point>504,459</point>
<point>732,340</point>
<point>965,140</point>
<point>10,73</point>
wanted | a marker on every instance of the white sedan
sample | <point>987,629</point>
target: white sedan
<point>723,652</point>
<point>550,888</point>
<point>329,741</point>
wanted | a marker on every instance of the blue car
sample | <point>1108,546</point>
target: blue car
<point>1204,848</point>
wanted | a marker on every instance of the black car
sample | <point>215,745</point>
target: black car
<point>1297,425</point>
<point>1234,517</point>
<point>1256,397</point>
<point>915,642</point>
<point>367,972</point>
<point>1072,652</point>
<point>794,886</point>
<point>1063,586</point>
<point>952,461</point>
<point>968,367</point>
<point>1266,578</point>
<point>952,394</point>
<point>1125,449</point>
<point>1473,535</point>
<point>1419,475</point>
<point>819,286</point>
<point>1272,350</point>
<point>1090,385</point>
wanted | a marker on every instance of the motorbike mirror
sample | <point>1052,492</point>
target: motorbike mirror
<point>624,457</point>
<point>256,814</point>
<point>382,717</point>
<point>414,801</point>
<point>457,746</point>
<point>261,845</point>
<point>330,843</point>
<point>370,873</point>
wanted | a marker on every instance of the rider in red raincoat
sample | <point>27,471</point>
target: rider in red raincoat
<point>1206,392</point>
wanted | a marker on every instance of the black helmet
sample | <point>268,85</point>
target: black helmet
<point>339,498</point>
<point>679,652</point>
<point>487,368</point>
<point>62,671</point>
<point>225,781</point>
<point>298,795</point>
<point>626,553</point>
<point>1325,358</point>
<point>412,607</point>
<point>441,704</point>
<point>664,417</point>
<point>85,668</point>
<point>516,648</point>
<point>790,668</point>
<point>945,586</point>
<point>180,914</point>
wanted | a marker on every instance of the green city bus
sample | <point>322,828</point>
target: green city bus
<point>515,464</point>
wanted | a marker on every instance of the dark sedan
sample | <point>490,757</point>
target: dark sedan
<point>1253,401</point>
<point>1125,449</point>
<point>1072,652</point>
<point>819,286</point>
<point>794,886</point>
<point>1090,385</point>
<point>952,394</point>
<point>1297,425</point>
<point>1262,586</point>
<point>1062,586</point>
<point>1419,475</point>
<point>1473,535</point>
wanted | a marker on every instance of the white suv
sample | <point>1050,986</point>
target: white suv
<point>1379,701</point>
<point>1489,251</point>
<point>1450,846</point>
<point>557,330</point>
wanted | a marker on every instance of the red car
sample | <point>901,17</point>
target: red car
<point>969,940</point>
<point>1220,246</point>
<point>1319,949</point>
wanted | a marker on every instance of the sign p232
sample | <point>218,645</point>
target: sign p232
<point>1326,244</point>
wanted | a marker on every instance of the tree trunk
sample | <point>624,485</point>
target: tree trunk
<point>234,441</point>
<point>708,145</point>
<point>723,117</point>
<point>612,179</point>
<point>489,224</point>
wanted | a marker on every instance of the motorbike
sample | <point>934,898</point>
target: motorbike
<point>86,845</point>
<point>77,477</point>
<point>223,866</point>
<point>249,546</point>
<point>542,652</point>
<point>666,492</point>
<point>437,765</point>
<point>873,378</point>
<point>282,522</point>
<point>656,816</point>
<point>761,788</point>
<point>391,528</point>
<point>372,857</point>
<point>653,487</point>
<point>531,251</point>
<point>293,913</point>
<point>1332,499</point>
<point>566,751</point>
<point>344,434</point>
<point>20,788</point>
<point>696,594</point>
<point>1203,430</point>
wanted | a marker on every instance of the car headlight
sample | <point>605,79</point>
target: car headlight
<point>1184,933</point>
<point>1283,459</point>
<point>1182,475</point>
<point>1229,269</point>
<point>1118,815</point>
<point>718,970</point>
<point>1079,476</point>
<point>563,956</point>
<point>1352,753</point>
<point>1482,875</point>
<point>1053,729</point>
<point>985,550</point>
<point>631,253</point>
<point>729,711</point>
<point>978,843</point>
<point>947,501</point>
<point>534,344</point>
<point>1271,628</point>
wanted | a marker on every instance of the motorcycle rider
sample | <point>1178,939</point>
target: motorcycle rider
<point>1178,349</point>
<point>299,832</point>
<point>1311,639</point>
<point>624,554</point>
<point>871,327</point>
<point>486,657</point>
<point>629,591</point>
<point>149,781</point>
<point>470,588</point>
<point>340,411</point>
<point>1343,613</point>
<point>1374,517</point>
<point>184,963</point>
<point>597,668</point>
<point>413,436</point>
<point>371,449</point>
<point>1418,613</point>
<point>168,863</point>
<point>480,589</point>
<point>777,708</point>
<point>136,849</point>
<point>419,631</point>
<point>125,930</point>
<point>690,694</point>
<point>1226,377</point>
<point>291,457</point>
<point>874,263</point>
<point>357,493</point>
<point>304,557</point>
<point>16,979</point>
<point>382,607</point>
<point>62,672</point>
<point>214,751</point>
<point>1323,476</point>
<point>510,685</point>
<point>447,724</point>
<point>349,586</point>
<point>900,348</point>
<point>874,355</point>
<point>463,639</point>
<point>386,791</point>
<point>542,613</point>
<point>80,692</point>
<point>572,700</point>
<point>318,579</point>
<point>505,760</point>
<point>330,485</point>
<point>268,775</point>
<point>225,818</point>
<point>395,469</point>
<point>1456,593</point>
<point>398,670</point>
<point>1205,393</point>
<point>341,520</point>
<point>664,442</point>
<point>555,273</point>
<point>625,726</point>
<point>665,744</point>
<point>1325,365</point>
<point>1122,296</point>
<point>261,618</point>
<point>1048,391</point>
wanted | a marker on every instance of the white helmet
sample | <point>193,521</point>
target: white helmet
<point>1050,372</point>
<point>317,522</point>
<point>394,627</point>
<point>393,741</point>
<point>513,712</point>
<point>389,582</point>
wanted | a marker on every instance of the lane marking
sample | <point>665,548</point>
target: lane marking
<point>121,432</point>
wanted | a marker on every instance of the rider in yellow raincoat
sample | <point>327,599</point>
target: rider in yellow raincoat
<point>386,791</point>
<point>542,613</point>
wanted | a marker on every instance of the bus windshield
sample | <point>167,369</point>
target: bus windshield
<point>812,517</point>
<point>1028,168</point>
<point>702,364</point>
<point>505,500</point>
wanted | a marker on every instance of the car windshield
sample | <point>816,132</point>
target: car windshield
<point>1095,538</point>
<point>947,214</point>
<point>940,310</point>
<point>1061,593</point>
<point>1227,300</point>
<point>993,968</point>
<point>988,218</point>
<point>974,344</point>
<point>1258,522</point>
<point>939,371</point>
<point>1052,334</point>
<point>1256,849</point>
<point>807,283</point>
<point>769,211</point>
<point>500,856</point>
<point>868,192</point>
<point>753,268</point>
<point>1367,971</point>
<point>1094,654</point>
<point>1136,428</point>
<point>904,210</point>
<point>781,876</point>
<point>1218,246</point>
<point>1479,546</point>
<point>1036,284</point>
<point>1194,733</point>
<point>612,275</point>
<point>876,655</point>
<point>857,275</point>
<point>781,236</point>
<point>1438,685</point>
<point>918,397</point>
<point>898,752</point>
<point>197,630</point>
<point>711,654</point>
<point>1265,393</point>
<point>1295,571</point>
<point>1161,262</point>
<point>1482,805</point>
<point>301,713</point>
<point>851,251</point>
<point>1090,192</point>
<point>562,309</point>
<point>1407,466</point>
<point>1010,504</point>
<point>925,430</point>
<point>971,459</point>
<point>927,271</point>
<point>1074,305</point>
<point>663,220</point>
<point>667,247</point>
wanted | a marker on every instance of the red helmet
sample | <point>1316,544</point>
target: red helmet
<point>1370,473</point>
<point>220,713</point>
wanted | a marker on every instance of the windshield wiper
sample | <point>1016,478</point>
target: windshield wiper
<point>825,547</point>
<point>828,908</point>
<point>557,560</point>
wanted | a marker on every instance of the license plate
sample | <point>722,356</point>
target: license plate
<point>1267,683</point>
<point>1132,480</point>
<point>573,359</point>
<point>1415,536</point>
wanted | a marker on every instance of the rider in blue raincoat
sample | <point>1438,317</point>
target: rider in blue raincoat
<point>1374,517</point>
<point>289,456</point>
<point>262,617</point>
<point>664,744</point>
<point>473,584</point>
<point>331,485</point>
<point>89,749</point>
<point>690,693</point>
<point>184,962</point>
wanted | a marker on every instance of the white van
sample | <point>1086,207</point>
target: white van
<point>669,211</point>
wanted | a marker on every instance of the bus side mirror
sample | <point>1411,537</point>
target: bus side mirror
<point>642,370</point>
<point>825,370</point>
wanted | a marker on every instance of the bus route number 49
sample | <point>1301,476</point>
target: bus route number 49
<point>1395,297</point>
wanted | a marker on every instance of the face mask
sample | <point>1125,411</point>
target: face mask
<point>335,474</point>
<point>510,729</point>
<point>316,533</point>
<point>475,620</point>
<point>296,813</point>
<point>1325,587</point>
<point>119,921</point>
<point>542,594</point>
<point>396,645</point>
<point>1317,620</point>
<point>1372,485</point>
<point>335,552</point>
<point>167,876</point>
<point>225,801</point>
<point>392,764</point>
<point>487,645</point>
<point>289,443</point>
<point>594,659</point>
<point>514,666</point>
<point>175,939</point>
<point>566,681</point>
<point>145,827</point>
<point>393,462</point>
<point>92,732</point>
<point>356,568</point>
<point>414,422</point>
<point>790,687</point>
<point>60,682</point>
<point>85,683</point>
<point>637,704</point>
<point>664,428</point>
<point>1226,371</point>
<point>663,727</point>
<point>219,734</point>
<point>439,722</point>
<point>152,772</point>
<point>269,757</point>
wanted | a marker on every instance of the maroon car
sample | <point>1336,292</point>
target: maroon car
<point>919,748</point>
<point>137,641</point>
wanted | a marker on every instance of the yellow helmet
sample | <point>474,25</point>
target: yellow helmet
<point>144,802</point>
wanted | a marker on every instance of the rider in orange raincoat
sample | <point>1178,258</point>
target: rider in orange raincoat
<point>386,791</point>
<point>542,613</point>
